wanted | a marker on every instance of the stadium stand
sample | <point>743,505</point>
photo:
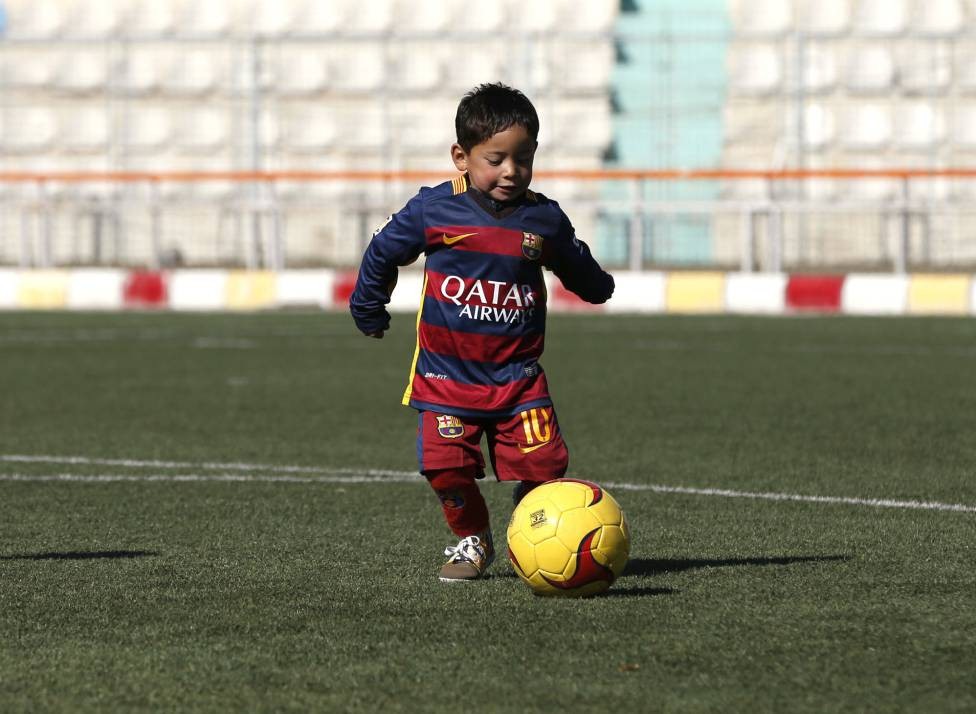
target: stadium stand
<point>372,84</point>
<point>175,85</point>
<point>855,84</point>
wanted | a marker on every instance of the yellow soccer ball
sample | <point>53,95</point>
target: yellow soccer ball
<point>568,538</point>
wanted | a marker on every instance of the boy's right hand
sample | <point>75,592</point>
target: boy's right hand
<point>372,323</point>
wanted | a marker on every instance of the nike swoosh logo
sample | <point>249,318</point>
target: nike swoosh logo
<point>451,240</point>
<point>530,449</point>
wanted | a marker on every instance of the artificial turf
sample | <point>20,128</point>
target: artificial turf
<point>312,586</point>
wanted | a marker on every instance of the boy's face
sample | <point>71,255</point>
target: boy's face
<point>500,166</point>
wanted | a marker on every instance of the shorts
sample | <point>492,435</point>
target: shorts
<point>526,447</point>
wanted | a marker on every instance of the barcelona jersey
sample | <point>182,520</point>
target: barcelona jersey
<point>481,323</point>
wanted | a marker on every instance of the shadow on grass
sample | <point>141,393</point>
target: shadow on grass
<point>619,590</point>
<point>82,555</point>
<point>647,566</point>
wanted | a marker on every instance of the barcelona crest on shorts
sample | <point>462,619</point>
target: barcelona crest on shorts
<point>450,427</point>
<point>532,246</point>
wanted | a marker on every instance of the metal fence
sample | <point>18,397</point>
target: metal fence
<point>251,224</point>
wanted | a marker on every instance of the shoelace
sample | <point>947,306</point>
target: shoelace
<point>469,549</point>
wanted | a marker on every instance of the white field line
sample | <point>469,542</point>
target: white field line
<point>206,466</point>
<point>112,334</point>
<point>766,496</point>
<point>269,473</point>
<point>365,477</point>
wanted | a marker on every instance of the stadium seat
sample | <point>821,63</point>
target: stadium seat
<point>426,17</point>
<point>870,69</point>
<point>362,128</point>
<point>269,131</point>
<point>143,69</point>
<point>940,18</point>
<point>315,18</point>
<point>418,66</point>
<point>300,70</point>
<point>963,134</point>
<point>100,20</point>
<point>819,68</point>
<point>487,16</point>
<point>151,19</point>
<point>918,126</point>
<point>865,127</point>
<point>925,67</point>
<point>202,130</point>
<point>965,70</point>
<point>207,19</point>
<point>755,69</point>
<point>582,65</point>
<point>818,127</point>
<point>88,130</point>
<point>880,18</point>
<point>362,67</point>
<point>34,19</point>
<point>750,122</point>
<point>590,16</point>
<point>424,125</point>
<point>146,129</point>
<point>309,129</point>
<point>539,17</point>
<point>195,71</point>
<point>536,68</point>
<point>824,18</point>
<point>83,71</point>
<point>584,126</point>
<point>367,16</point>
<point>25,67</point>
<point>271,18</point>
<point>483,63</point>
<point>761,18</point>
<point>28,130</point>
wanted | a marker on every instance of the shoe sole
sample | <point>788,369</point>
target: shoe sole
<point>460,580</point>
<point>479,576</point>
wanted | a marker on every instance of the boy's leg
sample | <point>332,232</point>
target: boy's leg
<point>464,507</point>
<point>528,448</point>
<point>449,452</point>
<point>467,515</point>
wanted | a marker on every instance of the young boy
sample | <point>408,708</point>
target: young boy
<point>481,324</point>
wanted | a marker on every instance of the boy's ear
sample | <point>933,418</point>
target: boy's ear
<point>460,157</point>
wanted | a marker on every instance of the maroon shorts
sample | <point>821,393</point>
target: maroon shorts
<point>524,447</point>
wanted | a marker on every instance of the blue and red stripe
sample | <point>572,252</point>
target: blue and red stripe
<point>446,394</point>
<point>480,346</point>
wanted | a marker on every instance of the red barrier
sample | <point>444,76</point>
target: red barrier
<point>145,288</point>
<point>345,283</point>
<point>814,292</point>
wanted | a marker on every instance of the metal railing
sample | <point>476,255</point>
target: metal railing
<point>60,220</point>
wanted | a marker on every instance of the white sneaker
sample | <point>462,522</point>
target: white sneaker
<point>469,559</point>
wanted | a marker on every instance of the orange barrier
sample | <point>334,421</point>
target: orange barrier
<point>583,175</point>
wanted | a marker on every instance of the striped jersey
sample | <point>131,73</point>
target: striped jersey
<point>482,318</point>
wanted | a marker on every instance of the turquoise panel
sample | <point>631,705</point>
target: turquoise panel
<point>669,88</point>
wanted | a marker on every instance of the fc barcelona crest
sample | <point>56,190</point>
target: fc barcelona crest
<point>450,427</point>
<point>532,246</point>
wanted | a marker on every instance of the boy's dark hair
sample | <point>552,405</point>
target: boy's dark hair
<point>490,108</point>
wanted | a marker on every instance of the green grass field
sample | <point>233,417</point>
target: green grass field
<point>191,520</point>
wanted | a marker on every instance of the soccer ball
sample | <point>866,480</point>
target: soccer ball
<point>568,538</point>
